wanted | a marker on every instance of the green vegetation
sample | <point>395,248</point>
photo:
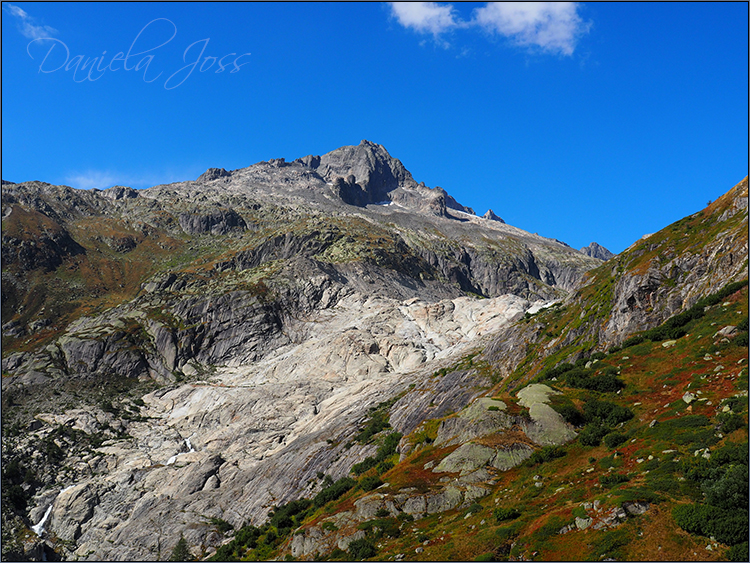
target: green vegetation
<point>613,479</point>
<point>722,481</point>
<point>503,514</point>
<point>547,453</point>
<point>181,551</point>
<point>361,549</point>
<point>334,491</point>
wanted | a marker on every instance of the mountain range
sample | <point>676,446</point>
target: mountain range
<point>324,358</point>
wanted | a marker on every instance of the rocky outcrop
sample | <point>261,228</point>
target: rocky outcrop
<point>213,174</point>
<point>490,216</point>
<point>595,250</point>
<point>367,166</point>
<point>120,192</point>
<point>34,241</point>
<point>673,281</point>
<point>213,221</point>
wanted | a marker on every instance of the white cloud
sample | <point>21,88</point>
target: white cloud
<point>103,179</point>
<point>92,179</point>
<point>26,24</point>
<point>425,17</point>
<point>551,26</point>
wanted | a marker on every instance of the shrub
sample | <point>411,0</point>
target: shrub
<point>16,496</point>
<point>729,527</point>
<point>383,467</point>
<point>382,513</point>
<point>730,491</point>
<point>571,415</point>
<point>485,557</point>
<point>181,551</point>
<point>503,514</point>
<point>613,479</point>
<point>377,423</point>
<point>739,552</point>
<point>338,553</point>
<point>381,527</point>
<point>334,491</point>
<point>730,422</point>
<point>362,549</point>
<point>547,453</point>
<point>742,326</point>
<point>291,514</point>
<point>556,371</point>
<point>370,482</point>
<point>592,434</point>
<point>364,465</point>
<point>221,525</point>
<point>390,443</point>
<point>606,413</point>
<point>613,440</point>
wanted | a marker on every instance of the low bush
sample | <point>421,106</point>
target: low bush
<point>592,434</point>
<point>728,527</point>
<point>614,440</point>
<point>730,490</point>
<point>730,422</point>
<point>383,467</point>
<point>329,526</point>
<point>547,453</point>
<point>606,413</point>
<point>503,514</point>
<point>571,415</point>
<point>739,552</point>
<point>334,491</point>
<point>556,371</point>
<point>370,482</point>
<point>381,527</point>
<point>362,548</point>
<point>613,479</point>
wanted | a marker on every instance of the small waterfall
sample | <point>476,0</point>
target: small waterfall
<point>39,528</point>
<point>189,447</point>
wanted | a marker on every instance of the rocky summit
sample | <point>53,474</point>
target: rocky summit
<point>324,358</point>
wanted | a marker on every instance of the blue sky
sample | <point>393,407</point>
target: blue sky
<point>580,122</point>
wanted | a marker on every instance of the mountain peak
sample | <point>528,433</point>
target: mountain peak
<point>367,174</point>
<point>492,217</point>
<point>596,250</point>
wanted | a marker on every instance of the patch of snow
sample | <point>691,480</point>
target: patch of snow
<point>171,460</point>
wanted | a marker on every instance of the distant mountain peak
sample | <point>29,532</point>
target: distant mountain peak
<point>490,215</point>
<point>367,174</point>
<point>596,250</point>
<point>213,174</point>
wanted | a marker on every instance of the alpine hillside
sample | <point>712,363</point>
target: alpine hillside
<point>326,359</point>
